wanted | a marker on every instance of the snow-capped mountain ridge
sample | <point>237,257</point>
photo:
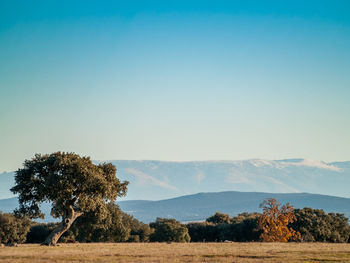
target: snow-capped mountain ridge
<point>280,164</point>
<point>155,180</point>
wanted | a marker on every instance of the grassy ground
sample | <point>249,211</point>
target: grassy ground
<point>175,252</point>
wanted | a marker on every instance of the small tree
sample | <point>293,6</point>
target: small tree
<point>203,231</point>
<point>219,218</point>
<point>13,229</point>
<point>245,227</point>
<point>241,228</point>
<point>169,230</point>
<point>72,183</point>
<point>275,220</point>
<point>140,232</point>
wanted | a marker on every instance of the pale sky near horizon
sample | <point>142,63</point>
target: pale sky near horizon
<point>175,80</point>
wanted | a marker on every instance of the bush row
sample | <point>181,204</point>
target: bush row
<point>314,225</point>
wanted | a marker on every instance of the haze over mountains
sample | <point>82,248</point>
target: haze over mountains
<point>157,180</point>
<point>195,190</point>
<point>200,206</point>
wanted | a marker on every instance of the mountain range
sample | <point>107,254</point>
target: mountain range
<point>157,180</point>
<point>200,206</point>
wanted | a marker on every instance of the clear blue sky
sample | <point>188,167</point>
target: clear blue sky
<point>175,80</point>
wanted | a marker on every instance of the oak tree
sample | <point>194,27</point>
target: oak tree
<point>73,184</point>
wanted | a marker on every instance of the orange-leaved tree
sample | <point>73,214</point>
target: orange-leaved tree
<point>275,220</point>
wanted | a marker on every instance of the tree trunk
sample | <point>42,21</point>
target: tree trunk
<point>66,223</point>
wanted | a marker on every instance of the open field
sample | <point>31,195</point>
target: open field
<point>178,252</point>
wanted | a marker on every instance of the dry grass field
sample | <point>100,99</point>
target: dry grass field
<point>178,252</point>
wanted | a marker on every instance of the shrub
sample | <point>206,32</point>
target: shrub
<point>169,230</point>
<point>316,225</point>
<point>242,228</point>
<point>219,218</point>
<point>13,229</point>
<point>203,232</point>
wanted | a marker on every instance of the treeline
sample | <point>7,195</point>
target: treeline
<point>312,225</point>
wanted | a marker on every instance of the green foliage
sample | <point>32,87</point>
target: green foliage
<point>316,225</point>
<point>203,232</point>
<point>96,227</point>
<point>115,226</point>
<point>240,228</point>
<point>67,180</point>
<point>313,224</point>
<point>73,184</point>
<point>169,230</point>
<point>219,218</point>
<point>139,232</point>
<point>245,227</point>
<point>13,229</point>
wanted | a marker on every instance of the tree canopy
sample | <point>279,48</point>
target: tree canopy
<point>219,218</point>
<point>316,225</point>
<point>241,228</point>
<point>73,184</point>
<point>169,230</point>
<point>13,229</point>
<point>275,220</point>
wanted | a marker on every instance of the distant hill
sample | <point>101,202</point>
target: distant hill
<point>202,205</point>
<point>8,205</point>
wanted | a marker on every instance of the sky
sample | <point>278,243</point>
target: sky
<point>175,80</point>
